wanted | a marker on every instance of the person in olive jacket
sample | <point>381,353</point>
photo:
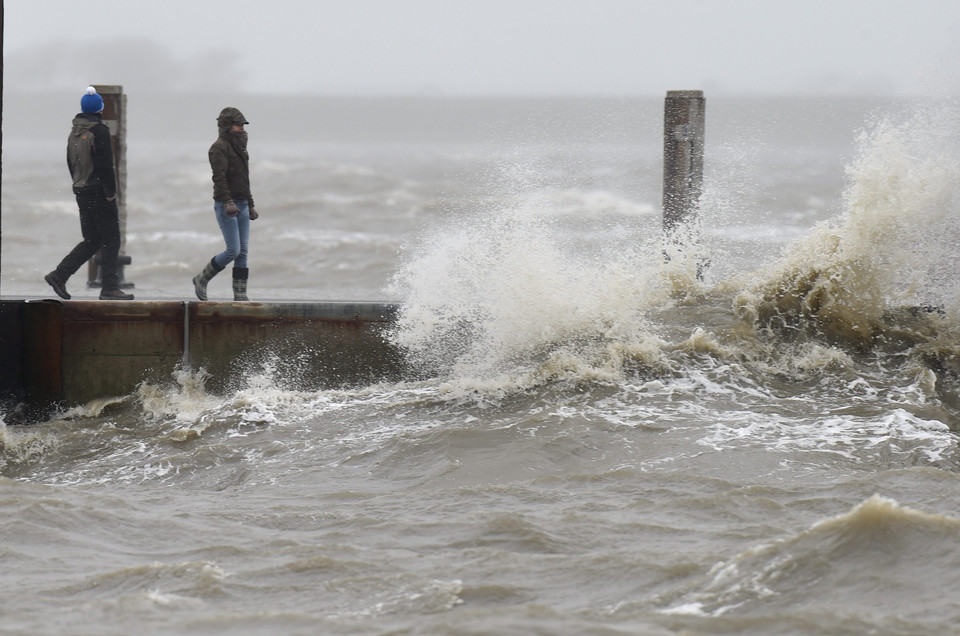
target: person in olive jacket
<point>232,203</point>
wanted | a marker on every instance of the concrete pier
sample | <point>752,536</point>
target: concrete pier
<point>70,352</point>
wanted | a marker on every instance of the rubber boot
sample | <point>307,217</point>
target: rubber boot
<point>240,275</point>
<point>200,280</point>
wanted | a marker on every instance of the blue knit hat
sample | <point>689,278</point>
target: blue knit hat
<point>91,102</point>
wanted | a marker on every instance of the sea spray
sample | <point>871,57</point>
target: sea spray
<point>893,246</point>
<point>503,294</point>
<point>547,284</point>
<point>532,288</point>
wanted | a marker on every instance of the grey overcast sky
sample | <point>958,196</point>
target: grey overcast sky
<point>486,47</point>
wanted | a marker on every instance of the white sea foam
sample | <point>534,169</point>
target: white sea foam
<point>853,438</point>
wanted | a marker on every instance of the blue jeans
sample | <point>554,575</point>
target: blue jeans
<point>236,234</point>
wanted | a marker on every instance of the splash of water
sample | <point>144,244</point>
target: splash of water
<point>893,246</point>
<point>510,299</point>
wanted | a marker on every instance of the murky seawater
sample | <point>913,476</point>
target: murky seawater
<point>597,441</point>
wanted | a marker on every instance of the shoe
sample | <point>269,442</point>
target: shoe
<point>58,285</point>
<point>115,294</point>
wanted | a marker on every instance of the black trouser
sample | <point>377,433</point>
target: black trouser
<point>100,227</point>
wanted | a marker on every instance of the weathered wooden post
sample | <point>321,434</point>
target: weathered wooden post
<point>115,117</point>
<point>683,129</point>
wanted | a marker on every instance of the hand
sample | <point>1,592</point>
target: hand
<point>253,214</point>
<point>230,208</point>
<point>113,198</point>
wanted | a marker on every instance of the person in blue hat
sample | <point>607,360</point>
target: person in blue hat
<point>90,160</point>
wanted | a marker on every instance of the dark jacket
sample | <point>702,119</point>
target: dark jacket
<point>231,169</point>
<point>92,174</point>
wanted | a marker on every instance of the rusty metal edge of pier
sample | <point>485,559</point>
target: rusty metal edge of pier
<point>65,353</point>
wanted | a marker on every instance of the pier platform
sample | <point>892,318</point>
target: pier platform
<point>66,353</point>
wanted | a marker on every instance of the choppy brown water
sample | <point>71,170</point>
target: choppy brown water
<point>598,443</point>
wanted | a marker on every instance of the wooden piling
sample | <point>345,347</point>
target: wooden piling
<point>683,132</point>
<point>115,117</point>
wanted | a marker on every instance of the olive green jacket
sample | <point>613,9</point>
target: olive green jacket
<point>231,170</point>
